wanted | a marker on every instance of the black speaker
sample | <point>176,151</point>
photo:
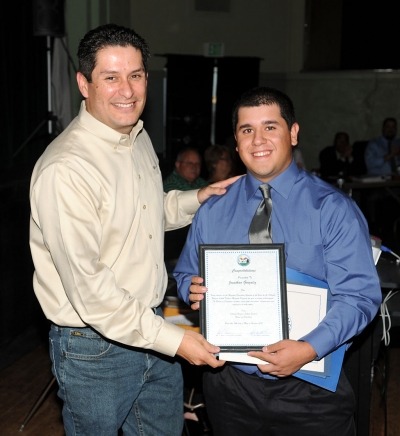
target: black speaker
<point>48,17</point>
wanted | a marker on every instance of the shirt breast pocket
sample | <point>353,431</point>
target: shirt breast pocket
<point>156,175</point>
<point>154,182</point>
<point>305,257</point>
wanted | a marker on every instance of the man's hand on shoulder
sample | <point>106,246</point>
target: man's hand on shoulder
<point>197,351</point>
<point>218,188</point>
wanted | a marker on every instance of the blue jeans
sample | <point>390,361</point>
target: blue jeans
<point>105,386</point>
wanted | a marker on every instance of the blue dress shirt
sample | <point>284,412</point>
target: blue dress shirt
<point>325,236</point>
<point>374,155</point>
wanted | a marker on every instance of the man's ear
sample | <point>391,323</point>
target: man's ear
<point>83,84</point>
<point>294,131</point>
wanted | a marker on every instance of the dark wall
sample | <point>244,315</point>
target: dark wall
<point>351,35</point>
<point>189,98</point>
<point>23,84</point>
<point>188,108</point>
<point>370,34</point>
<point>24,90</point>
<point>322,35</point>
<point>19,308</point>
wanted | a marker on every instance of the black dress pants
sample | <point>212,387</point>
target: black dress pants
<point>239,404</point>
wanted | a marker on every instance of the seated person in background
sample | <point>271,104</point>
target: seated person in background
<point>337,159</point>
<point>186,174</point>
<point>382,158</point>
<point>382,155</point>
<point>218,162</point>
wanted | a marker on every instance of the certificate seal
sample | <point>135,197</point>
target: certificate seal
<point>243,259</point>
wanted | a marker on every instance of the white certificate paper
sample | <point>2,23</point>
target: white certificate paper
<point>245,307</point>
<point>307,306</point>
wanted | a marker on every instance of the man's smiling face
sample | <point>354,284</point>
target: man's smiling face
<point>264,141</point>
<point>117,94</point>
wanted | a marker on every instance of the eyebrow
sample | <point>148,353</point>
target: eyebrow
<point>117,72</point>
<point>264,122</point>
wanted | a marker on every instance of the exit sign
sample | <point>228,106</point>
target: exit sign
<point>214,49</point>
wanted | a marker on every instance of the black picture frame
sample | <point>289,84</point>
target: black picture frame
<point>274,294</point>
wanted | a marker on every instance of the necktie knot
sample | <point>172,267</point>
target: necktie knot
<point>266,190</point>
<point>260,227</point>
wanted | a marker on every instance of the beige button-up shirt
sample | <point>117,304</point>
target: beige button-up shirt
<point>98,215</point>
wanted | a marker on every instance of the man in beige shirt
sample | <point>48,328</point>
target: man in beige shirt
<point>98,216</point>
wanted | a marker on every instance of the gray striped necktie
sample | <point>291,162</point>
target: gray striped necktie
<point>260,227</point>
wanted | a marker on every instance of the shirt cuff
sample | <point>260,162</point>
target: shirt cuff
<point>322,346</point>
<point>169,339</point>
<point>190,202</point>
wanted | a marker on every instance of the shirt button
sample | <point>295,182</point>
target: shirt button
<point>157,265</point>
<point>115,147</point>
<point>150,236</point>
<point>144,206</point>
<point>139,176</point>
<point>124,140</point>
<point>156,295</point>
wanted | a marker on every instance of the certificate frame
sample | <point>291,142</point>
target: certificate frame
<point>255,312</point>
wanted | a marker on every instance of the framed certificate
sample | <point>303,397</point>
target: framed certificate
<point>245,307</point>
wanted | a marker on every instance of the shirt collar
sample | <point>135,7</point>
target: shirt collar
<point>282,184</point>
<point>102,131</point>
<point>387,141</point>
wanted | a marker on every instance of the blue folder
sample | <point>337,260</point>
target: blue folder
<point>326,381</point>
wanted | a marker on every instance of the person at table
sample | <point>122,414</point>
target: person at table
<point>338,160</point>
<point>218,162</point>
<point>382,159</point>
<point>186,175</point>
<point>325,236</point>
<point>382,154</point>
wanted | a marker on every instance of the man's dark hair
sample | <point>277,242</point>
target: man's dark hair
<point>265,96</point>
<point>106,36</point>
<point>340,134</point>
<point>389,119</point>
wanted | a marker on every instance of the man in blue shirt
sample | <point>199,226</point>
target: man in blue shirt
<point>325,236</point>
<point>382,158</point>
<point>382,155</point>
